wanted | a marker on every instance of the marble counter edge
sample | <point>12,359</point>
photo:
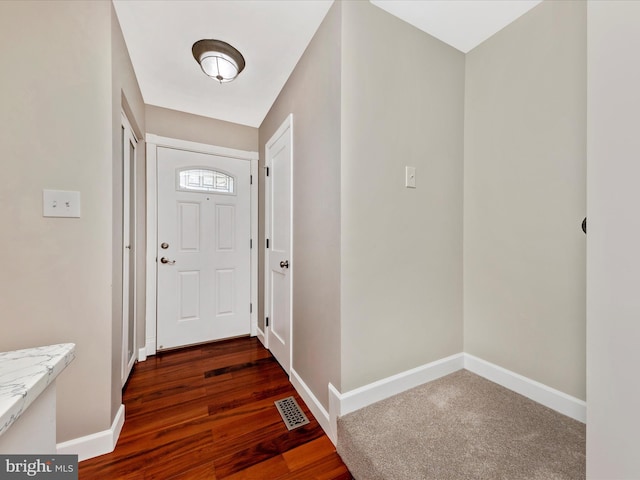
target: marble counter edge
<point>25,374</point>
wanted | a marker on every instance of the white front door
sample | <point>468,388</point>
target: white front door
<point>203,248</point>
<point>279,237</point>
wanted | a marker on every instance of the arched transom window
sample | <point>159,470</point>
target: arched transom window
<point>205,181</point>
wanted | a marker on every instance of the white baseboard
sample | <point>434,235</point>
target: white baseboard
<point>387,387</point>
<point>95,444</point>
<point>150,346</point>
<point>261,336</point>
<point>343,403</point>
<point>322,416</point>
<point>536,391</point>
<point>334,409</point>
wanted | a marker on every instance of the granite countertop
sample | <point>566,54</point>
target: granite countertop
<point>25,374</point>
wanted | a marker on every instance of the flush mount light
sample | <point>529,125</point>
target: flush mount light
<point>218,59</point>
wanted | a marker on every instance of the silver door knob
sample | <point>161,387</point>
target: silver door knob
<point>165,260</point>
<point>284,264</point>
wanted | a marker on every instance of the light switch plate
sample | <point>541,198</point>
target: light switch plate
<point>60,203</point>
<point>410,177</point>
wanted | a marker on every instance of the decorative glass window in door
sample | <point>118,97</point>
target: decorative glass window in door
<point>205,181</point>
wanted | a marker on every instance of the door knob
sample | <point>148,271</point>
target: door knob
<point>284,264</point>
<point>165,260</point>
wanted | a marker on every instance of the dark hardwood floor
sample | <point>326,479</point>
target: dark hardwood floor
<point>207,412</point>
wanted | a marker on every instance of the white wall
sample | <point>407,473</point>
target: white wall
<point>613,247</point>
<point>61,130</point>
<point>401,249</point>
<point>126,96</point>
<point>312,94</point>
<point>55,133</point>
<point>195,128</point>
<point>525,197</point>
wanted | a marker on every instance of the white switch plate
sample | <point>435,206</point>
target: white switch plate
<point>59,203</point>
<point>410,177</point>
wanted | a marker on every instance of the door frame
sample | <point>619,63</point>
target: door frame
<point>153,143</point>
<point>263,335</point>
<point>129,195</point>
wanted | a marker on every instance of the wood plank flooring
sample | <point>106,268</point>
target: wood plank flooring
<point>207,413</point>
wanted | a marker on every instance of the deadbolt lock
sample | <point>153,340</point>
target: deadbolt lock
<point>164,245</point>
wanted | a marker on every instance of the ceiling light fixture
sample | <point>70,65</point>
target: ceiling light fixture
<point>218,59</point>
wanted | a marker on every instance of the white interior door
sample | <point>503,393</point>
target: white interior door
<point>278,230</point>
<point>129,144</point>
<point>203,248</point>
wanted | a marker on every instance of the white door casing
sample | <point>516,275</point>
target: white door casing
<point>153,144</point>
<point>203,249</point>
<point>279,235</point>
<point>129,145</point>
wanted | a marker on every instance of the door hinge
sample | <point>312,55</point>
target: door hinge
<point>250,243</point>
<point>250,179</point>
<point>267,322</point>
<point>251,308</point>
<point>267,171</point>
<point>267,243</point>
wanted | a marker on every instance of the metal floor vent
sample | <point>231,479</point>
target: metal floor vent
<point>291,413</point>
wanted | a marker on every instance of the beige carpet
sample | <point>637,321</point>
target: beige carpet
<point>461,427</point>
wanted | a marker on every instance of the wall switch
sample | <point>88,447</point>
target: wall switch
<point>410,177</point>
<point>59,203</point>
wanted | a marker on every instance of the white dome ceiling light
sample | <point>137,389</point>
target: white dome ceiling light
<point>218,59</point>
